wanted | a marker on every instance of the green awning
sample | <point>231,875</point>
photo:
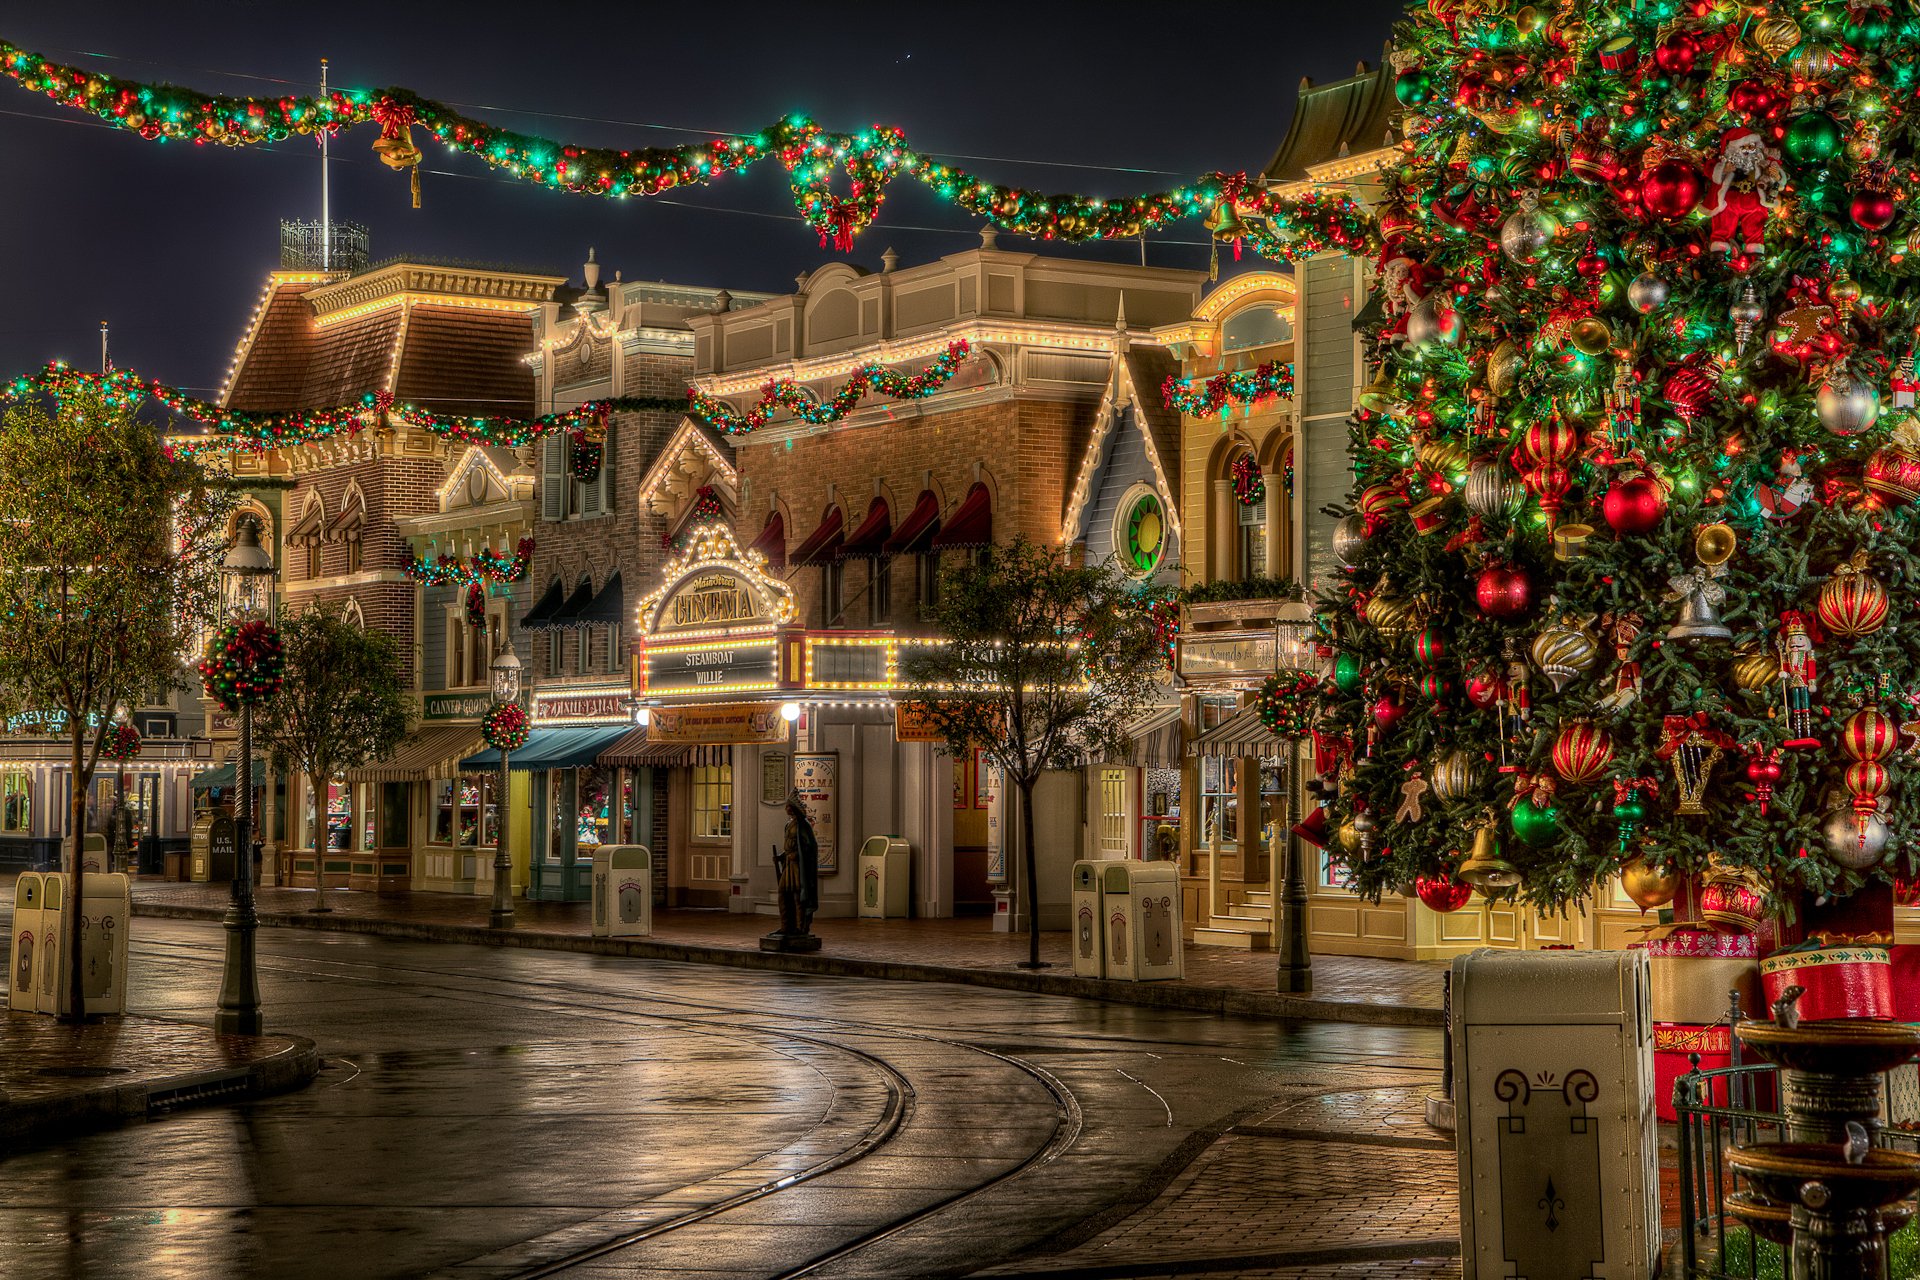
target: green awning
<point>553,749</point>
<point>224,777</point>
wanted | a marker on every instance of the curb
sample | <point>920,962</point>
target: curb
<point>1200,999</point>
<point>112,1104</point>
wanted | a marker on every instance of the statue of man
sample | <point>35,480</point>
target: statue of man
<point>798,865</point>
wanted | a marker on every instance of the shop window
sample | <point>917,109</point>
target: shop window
<point>394,829</point>
<point>463,811</point>
<point>594,825</point>
<point>16,803</point>
<point>1219,800</point>
<point>339,816</point>
<point>1113,813</point>
<point>713,802</point>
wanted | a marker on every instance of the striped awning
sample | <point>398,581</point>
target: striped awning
<point>430,753</point>
<point>1241,734</point>
<point>636,750</point>
<point>1157,739</point>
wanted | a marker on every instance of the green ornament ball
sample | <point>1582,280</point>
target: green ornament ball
<point>1813,138</point>
<point>1864,28</point>
<point>1534,825</point>
<point>1346,672</point>
<point>1413,87</point>
<point>1630,810</point>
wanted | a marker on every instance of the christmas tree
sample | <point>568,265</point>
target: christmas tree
<point>1626,576</point>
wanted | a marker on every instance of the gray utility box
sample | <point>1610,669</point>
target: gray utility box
<point>886,876</point>
<point>1553,1093</point>
<point>623,891</point>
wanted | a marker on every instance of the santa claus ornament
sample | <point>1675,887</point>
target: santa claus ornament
<point>1742,189</point>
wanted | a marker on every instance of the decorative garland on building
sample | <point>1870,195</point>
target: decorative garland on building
<point>706,506</point>
<point>476,606</point>
<point>787,394</point>
<point>586,455</point>
<point>505,727</point>
<point>486,566</point>
<point>1285,703</point>
<point>1285,228</point>
<point>1249,483</point>
<point>244,664</point>
<point>1219,393</point>
<point>122,742</point>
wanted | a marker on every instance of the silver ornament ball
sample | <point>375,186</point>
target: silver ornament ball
<point>1648,293</point>
<point>1855,841</point>
<point>1349,535</point>
<point>1434,320</point>
<point>1846,405</point>
<point>1493,493</point>
<point>1525,235</point>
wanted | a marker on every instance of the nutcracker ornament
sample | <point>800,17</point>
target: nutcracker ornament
<point>1742,191</point>
<point>1799,676</point>
<point>1516,703</point>
<point>1620,630</point>
<point>1789,491</point>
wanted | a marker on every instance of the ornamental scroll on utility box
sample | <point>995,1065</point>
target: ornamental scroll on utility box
<point>1553,1088</point>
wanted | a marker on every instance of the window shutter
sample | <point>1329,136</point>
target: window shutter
<point>605,497</point>
<point>555,477</point>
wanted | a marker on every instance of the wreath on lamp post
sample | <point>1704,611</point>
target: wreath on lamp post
<point>244,665</point>
<point>122,742</point>
<point>1285,703</point>
<point>505,727</point>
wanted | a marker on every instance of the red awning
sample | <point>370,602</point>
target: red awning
<point>871,537</point>
<point>972,523</point>
<point>772,542</point>
<point>822,542</point>
<point>918,528</point>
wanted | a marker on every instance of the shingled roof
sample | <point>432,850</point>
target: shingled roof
<point>1344,117</point>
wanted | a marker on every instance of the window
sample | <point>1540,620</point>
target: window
<point>552,641</point>
<point>930,579</point>
<point>713,802</point>
<point>879,592</point>
<point>1140,531</point>
<point>313,560</point>
<point>463,811</point>
<point>355,556</point>
<point>594,824</point>
<point>583,650</point>
<point>395,832</point>
<point>831,583</point>
<point>614,657</point>
<point>1113,813</point>
<point>1253,538</point>
<point>1219,800</point>
<point>561,496</point>
<point>16,803</point>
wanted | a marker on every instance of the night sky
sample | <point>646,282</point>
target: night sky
<point>169,242</point>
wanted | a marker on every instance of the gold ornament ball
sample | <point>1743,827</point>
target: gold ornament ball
<point>1528,20</point>
<point>1844,291</point>
<point>1347,836</point>
<point>1448,457</point>
<point>1390,616</point>
<point>1504,366</point>
<point>1592,335</point>
<point>1777,37</point>
<point>1454,775</point>
<point>1714,544</point>
<point>1755,669</point>
<point>1647,887</point>
<point>1563,651</point>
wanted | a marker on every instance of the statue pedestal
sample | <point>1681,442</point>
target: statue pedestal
<point>790,942</point>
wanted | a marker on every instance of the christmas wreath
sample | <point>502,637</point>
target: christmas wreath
<point>1285,703</point>
<point>121,743</point>
<point>587,455</point>
<point>244,665</point>
<point>505,727</point>
<point>1249,483</point>
<point>476,605</point>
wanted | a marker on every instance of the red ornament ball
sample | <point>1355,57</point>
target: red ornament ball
<point>1670,190</point>
<point>1581,753</point>
<point>1504,592</point>
<point>1442,893</point>
<point>1591,266</point>
<point>1483,688</point>
<point>1872,210</point>
<point>1387,712</point>
<point>1430,646</point>
<point>1677,53</point>
<point>1635,505</point>
<point>1763,772</point>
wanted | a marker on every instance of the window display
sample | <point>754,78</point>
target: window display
<point>16,803</point>
<point>713,802</point>
<point>463,811</point>
<point>595,805</point>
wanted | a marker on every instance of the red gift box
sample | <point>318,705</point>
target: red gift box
<point>1843,977</point>
<point>1906,982</point>
<point>1675,1044</point>
<point>1686,940</point>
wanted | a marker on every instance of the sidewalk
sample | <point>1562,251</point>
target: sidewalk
<point>56,1078</point>
<point>1346,988</point>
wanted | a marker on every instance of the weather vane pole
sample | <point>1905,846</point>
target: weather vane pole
<point>106,365</point>
<point>326,221</point>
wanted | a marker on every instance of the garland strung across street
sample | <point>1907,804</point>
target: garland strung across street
<point>485,566</point>
<point>1218,394</point>
<point>1281,228</point>
<point>785,393</point>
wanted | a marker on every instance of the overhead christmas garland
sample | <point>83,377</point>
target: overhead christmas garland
<point>485,566</point>
<point>787,394</point>
<point>1270,381</point>
<point>1277,227</point>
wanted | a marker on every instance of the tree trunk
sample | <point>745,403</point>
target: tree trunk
<point>321,840</point>
<point>1033,872</point>
<point>76,883</point>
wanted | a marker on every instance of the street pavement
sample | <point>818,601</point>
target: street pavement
<point>489,1113</point>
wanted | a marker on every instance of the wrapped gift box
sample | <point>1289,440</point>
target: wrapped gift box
<point>1906,982</point>
<point>1674,1045</point>
<point>1843,977</point>
<point>1693,989</point>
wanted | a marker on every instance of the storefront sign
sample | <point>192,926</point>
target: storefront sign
<point>454,706</point>
<point>773,777</point>
<point>719,667</point>
<point>816,776</point>
<point>717,598</point>
<point>990,788</point>
<point>852,662</point>
<point>719,724</point>
<point>1241,653</point>
<point>911,723</point>
<point>602,706</point>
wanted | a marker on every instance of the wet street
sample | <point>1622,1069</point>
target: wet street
<point>491,1113</point>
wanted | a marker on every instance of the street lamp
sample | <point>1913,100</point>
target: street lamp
<point>1296,644</point>
<point>506,688</point>
<point>247,567</point>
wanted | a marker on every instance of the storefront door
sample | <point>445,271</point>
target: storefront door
<point>1116,821</point>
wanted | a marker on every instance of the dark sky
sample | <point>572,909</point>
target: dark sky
<point>169,242</point>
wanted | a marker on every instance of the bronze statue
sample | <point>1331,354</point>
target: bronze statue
<point>798,866</point>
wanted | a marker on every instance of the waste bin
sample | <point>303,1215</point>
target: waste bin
<point>623,891</point>
<point>106,907</point>
<point>27,928</point>
<point>886,871</point>
<point>93,852</point>
<point>1553,1097</point>
<point>1089,954</point>
<point>1141,904</point>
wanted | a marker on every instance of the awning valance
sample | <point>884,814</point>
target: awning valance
<point>430,753</point>
<point>225,777</point>
<point>819,546</point>
<point>1241,734</point>
<point>607,608</point>
<point>553,749</point>
<point>971,524</point>
<point>541,615</point>
<point>871,537</point>
<point>917,530</point>
<point>310,528</point>
<point>348,524</point>
<point>636,750</point>
<point>568,614</point>
<point>1157,739</point>
<point>772,542</point>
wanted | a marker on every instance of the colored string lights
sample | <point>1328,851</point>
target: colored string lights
<point>787,394</point>
<point>1218,394</point>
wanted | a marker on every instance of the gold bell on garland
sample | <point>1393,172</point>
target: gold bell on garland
<point>395,146</point>
<point>1226,228</point>
<point>1381,393</point>
<point>1484,868</point>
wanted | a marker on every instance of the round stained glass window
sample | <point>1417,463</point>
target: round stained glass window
<point>1143,532</point>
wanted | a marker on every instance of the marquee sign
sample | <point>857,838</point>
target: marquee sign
<point>715,588</point>
<point>597,705</point>
<point>718,724</point>
<point>711,666</point>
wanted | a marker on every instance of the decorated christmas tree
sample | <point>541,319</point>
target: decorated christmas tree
<point>1627,573</point>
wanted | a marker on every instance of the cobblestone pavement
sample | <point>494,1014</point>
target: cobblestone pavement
<point>965,943</point>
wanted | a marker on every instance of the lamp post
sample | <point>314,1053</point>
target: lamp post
<point>506,688</point>
<point>247,567</point>
<point>1295,963</point>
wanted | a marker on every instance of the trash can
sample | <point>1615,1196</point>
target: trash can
<point>27,928</point>
<point>1141,903</point>
<point>886,872</point>
<point>46,956</point>
<point>93,852</point>
<point>1553,1098</point>
<point>623,891</point>
<point>1089,953</point>
<point>106,907</point>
